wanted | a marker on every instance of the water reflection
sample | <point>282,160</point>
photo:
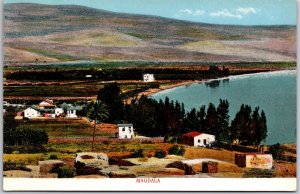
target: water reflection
<point>226,81</point>
<point>213,83</point>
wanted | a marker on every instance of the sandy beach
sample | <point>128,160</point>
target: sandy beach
<point>164,87</point>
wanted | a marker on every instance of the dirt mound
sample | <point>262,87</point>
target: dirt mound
<point>121,174</point>
<point>180,165</point>
<point>120,162</point>
<point>49,166</point>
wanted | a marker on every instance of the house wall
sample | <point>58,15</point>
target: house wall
<point>263,161</point>
<point>204,140</point>
<point>58,111</point>
<point>71,114</point>
<point>31,113</point>
<point>188,140</point>
<point>125,133</point>
<point>148,78</point>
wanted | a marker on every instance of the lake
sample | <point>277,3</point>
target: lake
<point>274,92</point>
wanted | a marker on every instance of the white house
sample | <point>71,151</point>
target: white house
<point>125,131</point>
<point>71,113</point>
<point>58,111</point>
<point>32,112</point>
<point>148,77</point>
<point>198,139</point>
<point>70,110</point>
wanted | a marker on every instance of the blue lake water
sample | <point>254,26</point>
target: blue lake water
<point>274,92</point>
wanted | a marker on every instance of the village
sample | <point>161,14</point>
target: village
<point>196,155</point>
<point>78,145</point>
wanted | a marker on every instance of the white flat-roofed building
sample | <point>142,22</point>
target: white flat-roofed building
<point>125,131</point>
<point>148,77</point>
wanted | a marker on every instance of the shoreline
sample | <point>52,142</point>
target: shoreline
<point>189,82</point>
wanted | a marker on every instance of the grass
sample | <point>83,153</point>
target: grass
<point>96,38</point>
<point>23,158</point>
<point>75,89</point>
<point>223,155</point>
<point>32,159</point>
<point>52,54</point>
<point>86,65</point>
<point>63,128</point>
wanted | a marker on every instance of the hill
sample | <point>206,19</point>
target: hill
<point>61,33</point>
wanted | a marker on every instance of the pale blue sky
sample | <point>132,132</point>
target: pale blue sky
<point>242,12</point>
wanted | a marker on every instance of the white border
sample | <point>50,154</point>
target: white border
<point>166,184</point>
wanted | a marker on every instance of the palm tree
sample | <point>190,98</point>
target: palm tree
<point>97,111</point>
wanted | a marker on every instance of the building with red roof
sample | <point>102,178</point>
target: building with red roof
<point>198,139</point>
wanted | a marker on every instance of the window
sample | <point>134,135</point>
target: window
<point>204,141</point>
<point>123,129</point>
<point>199,141</point>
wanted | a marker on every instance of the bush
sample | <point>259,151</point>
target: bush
<point>277,151</point>
<point>8,150</point>
<point>106,142</point>
<point>66,172</point>
<point>177,150</point>
<point>9,165</point>
<point>26,137</point>
<point>259,173</point>
<point>53,157</point>
<point>138,153</point>
<point>160,154</point>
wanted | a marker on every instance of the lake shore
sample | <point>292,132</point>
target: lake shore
<point>189,82</point>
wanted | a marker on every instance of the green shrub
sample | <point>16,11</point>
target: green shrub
<point>277,151</point>
<point>259,173</point>
<point>53,157</point>
<point>138,153</point>
<point>66,172</point>
<point>9,165</point>
<point>160,154</point>
<point>106,142</point>
<point>177,150</point>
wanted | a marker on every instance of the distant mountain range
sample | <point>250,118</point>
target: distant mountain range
<point>63,33</point>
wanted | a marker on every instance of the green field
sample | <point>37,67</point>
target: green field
<point>75,89</point>
<point>57,128</point>
<point>90,65</point>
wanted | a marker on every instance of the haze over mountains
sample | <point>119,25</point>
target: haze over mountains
<point>60,33</point>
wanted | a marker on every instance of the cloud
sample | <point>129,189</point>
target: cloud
<point>225,13</point>
<point>245,10</point>
<point>238,13</point>
<point>197,12</point>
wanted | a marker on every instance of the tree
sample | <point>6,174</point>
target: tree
<point>191,121</point>
<point>240,125</point>
<point>201,114</point>
<point>262,129</point>
<point>97,111</point>
<point>211,119</point>
<point>249,128</point>
<point>9,127</point>
<point>223,121</point>
<point>110,95</point>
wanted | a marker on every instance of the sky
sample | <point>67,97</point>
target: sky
<point>235,12</point>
